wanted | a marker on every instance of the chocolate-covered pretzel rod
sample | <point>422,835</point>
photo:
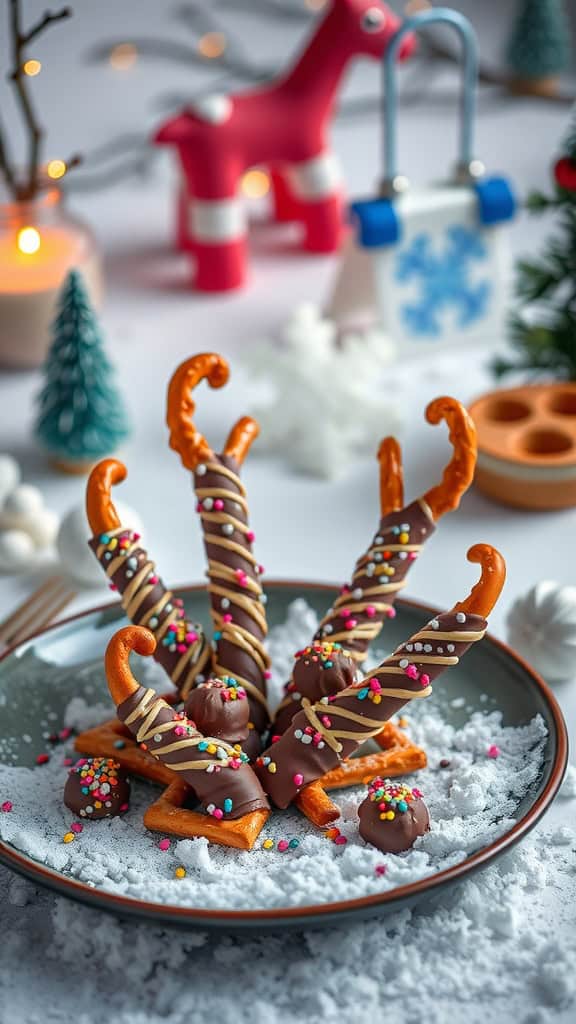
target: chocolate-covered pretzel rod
<point>236,597</point>
<point>324,734</point>
<point>380,573</point>
<point>217,772</point>
<point>182,648</point>
<point>357,616</point>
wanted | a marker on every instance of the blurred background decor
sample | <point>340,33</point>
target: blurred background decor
<point>81,415</point>
<point>328,400</point>
<point>27,526</point>
<point>431,265</point>
<point>282,126</point>
<point>39,240</point>
<point>543,328</point>
<point>542,627</point>
<point>538,49</point>
<point>527,446</point>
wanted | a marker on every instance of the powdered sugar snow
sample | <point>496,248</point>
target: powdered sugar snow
<point>472,799</point>
<point>486,942</point>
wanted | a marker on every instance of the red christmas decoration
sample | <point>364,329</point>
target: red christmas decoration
<point>565,173</point>
<point>282,126</point>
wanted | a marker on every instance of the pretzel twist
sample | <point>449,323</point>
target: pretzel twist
<point>185,438</point>
<point>459,472</point>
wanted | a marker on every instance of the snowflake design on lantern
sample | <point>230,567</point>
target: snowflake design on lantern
<point>445,280</point>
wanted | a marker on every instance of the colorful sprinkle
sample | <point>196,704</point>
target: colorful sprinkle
<point>42,758</point>
<point>76,827</point>
<point>340,841</point>
<point>268,844</point>
<point>493,751</point>
<point>294,843</point>
<point>380,870</point>
<point>283,845</point>
<point>164,844</point>
<point>69,837</point>
<point>6,806</point>
<point>180,872</point>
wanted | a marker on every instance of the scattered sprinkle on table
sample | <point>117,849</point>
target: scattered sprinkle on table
<point>69,837</point>
<point>180,872</point>
<point>6,806</point>
<point>164,844</point>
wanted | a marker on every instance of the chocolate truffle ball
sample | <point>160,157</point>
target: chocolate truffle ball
<point>322,670</point>
<point>219,708</point>
<point>392,816</point>
<point>97,787</point>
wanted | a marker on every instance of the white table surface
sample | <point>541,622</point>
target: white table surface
<point>308,529</point>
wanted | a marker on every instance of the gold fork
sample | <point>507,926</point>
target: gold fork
<point>36,611</point>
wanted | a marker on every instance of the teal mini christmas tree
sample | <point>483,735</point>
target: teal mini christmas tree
<point>81,414</point>
<point>543,331</point>
<point>538,49</point>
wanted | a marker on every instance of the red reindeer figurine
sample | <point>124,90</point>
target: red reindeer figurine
<point>282,125</point>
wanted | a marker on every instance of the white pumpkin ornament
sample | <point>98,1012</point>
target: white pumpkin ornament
<point>542,627</point>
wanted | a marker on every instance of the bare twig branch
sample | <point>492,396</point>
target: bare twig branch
<point>19,40</point>
<point>49,18</point>
<point>6,167</point>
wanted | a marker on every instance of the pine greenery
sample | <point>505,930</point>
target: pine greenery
<point>545,339</point>
<point>81,415</point>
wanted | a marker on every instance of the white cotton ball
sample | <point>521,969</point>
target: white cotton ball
<point>43,528</point>
<point>21,505</point>
<point>9,475</point>
<point>77,559</point>
<point>16,550</point>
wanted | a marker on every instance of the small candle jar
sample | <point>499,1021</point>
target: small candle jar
<point>40,242</point>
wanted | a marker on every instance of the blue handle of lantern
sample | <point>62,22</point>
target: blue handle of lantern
<point>439,15</point>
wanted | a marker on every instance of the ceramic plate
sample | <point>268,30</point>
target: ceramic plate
<point>490,668</point>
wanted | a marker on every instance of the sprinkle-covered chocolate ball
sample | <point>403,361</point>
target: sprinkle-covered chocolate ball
<point>322,670</point>
<point>97,787</point>
<point>219,708</point>
<point>392,816</point>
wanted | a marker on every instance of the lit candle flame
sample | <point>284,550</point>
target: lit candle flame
<point>255,183</point>
<point>28,240</point>
<point>32,68</point>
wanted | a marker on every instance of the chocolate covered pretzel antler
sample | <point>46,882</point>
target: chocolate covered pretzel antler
<point>218,773</point>
<point>236,597</point>
<point>380,573</point>
<point>358,613</point>
<point>326,733</point>
<point>182,648</point>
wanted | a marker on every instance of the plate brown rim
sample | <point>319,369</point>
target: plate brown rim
<point>124,905</point>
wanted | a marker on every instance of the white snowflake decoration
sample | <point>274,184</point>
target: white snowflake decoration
<point>329,402</point>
